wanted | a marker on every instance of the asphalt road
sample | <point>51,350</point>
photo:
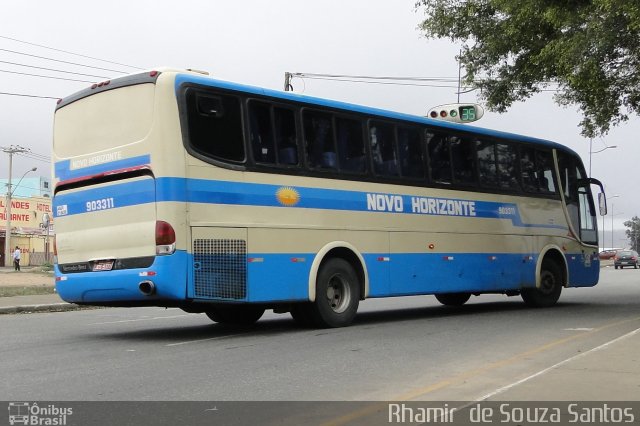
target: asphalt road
<point>398,349</point>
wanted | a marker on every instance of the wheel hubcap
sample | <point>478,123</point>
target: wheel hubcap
<point>547,282</point>
<point>338,294</point>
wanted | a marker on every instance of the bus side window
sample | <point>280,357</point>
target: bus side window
<point>286,142</point>
<point>350,145</point>
<point>463,160</point>
<point>439,158</point>
<point>382,139</point>
<point>528,169</point>
<point>487,169</point>
<point>506,160</point>
<point>318,134</point>
<point>261,131</point>
<point>544,172</point>
<point>215,125</point>
<point>411,155</point>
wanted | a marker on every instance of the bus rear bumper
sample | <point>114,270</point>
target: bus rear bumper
<point>122,287</point>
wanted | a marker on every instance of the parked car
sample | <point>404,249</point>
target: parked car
<point>625,258</point>
<point>607,254</point>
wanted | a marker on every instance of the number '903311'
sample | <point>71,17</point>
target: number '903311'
<point>101,204</point>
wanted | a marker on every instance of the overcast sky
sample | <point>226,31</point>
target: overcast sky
<point>256,42</point>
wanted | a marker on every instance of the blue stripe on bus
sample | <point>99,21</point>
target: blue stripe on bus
<point>264,195</point>
<point>277,278</point>
<point>63,170</point>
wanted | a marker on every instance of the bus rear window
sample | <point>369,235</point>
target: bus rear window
<point>215,126</point>
<point>104,121</point>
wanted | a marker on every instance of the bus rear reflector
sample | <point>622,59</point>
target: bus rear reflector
<point>165,238</point>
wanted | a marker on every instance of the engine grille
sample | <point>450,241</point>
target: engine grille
<point>220,268</point>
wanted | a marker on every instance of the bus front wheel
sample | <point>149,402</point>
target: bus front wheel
<point>548,292</point>
<point>453,299</point>
<point>235,314</point>
<point>337,296</point>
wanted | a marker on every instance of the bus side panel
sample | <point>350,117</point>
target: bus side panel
<point>262,265</point>
<point>426,263</point>
<point>584,269</point>
<point>418,273</point>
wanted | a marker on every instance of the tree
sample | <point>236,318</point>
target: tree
<point>633,233</point>
<point>587,50</point>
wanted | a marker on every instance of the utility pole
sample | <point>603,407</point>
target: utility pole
<point>287,82</point>
<point>13,149</point>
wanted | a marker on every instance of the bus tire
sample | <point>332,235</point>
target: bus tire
<point>337,295</point>
<point>235,314</point>
<point>453,299</point>
<point>548,292</point>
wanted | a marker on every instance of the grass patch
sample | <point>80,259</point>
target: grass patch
<point>26,291</point>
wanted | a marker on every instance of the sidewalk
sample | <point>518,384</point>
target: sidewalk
<point>30,277</point>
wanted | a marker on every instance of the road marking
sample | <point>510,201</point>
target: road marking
<point>205,340</point>
<point>503,363</point>
<point>566,361</point>
<point>347,418</point>
<point>579,329</point>
<point>141,319</point>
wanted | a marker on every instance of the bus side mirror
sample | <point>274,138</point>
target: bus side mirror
<point>602,198</point>
<point>602,201</point>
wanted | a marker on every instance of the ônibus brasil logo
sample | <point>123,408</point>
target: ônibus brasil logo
<point>26,413</point>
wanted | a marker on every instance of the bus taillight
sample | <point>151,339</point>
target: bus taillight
<point>165,238</point>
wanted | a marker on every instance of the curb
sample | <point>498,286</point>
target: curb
<point>50,307</point>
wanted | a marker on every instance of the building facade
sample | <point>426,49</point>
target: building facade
<point>38,186</point>
<point>27,229</point>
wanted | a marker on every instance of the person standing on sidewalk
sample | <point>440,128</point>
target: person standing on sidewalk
<point>16,258</point>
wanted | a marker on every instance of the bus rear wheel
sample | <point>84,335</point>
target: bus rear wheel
<point>548,292</point>
<point>453,299</point>
<point>337,296</point>
<point>235,314</point>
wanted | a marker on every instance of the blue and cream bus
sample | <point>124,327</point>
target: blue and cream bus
<point>175,189</point>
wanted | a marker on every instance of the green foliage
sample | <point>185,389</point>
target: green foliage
<point>589,50</point>
<point>633,233</point>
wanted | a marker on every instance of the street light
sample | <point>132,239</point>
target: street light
<point>7,232</point>
<point>591,151</point>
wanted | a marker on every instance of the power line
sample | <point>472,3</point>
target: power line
<point>36,157</point>
<point>366,77</point>
<point>35,154</point>
<point>45,76</point>
<point>52,69</point>
<point>29,96</point>
<point>23,186</point>
<point>70,53</point>
<point>64,62</point>
<point>379,82</point>
<point>396,81</point>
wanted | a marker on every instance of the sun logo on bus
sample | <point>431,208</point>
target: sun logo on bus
<point>287,196</point>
